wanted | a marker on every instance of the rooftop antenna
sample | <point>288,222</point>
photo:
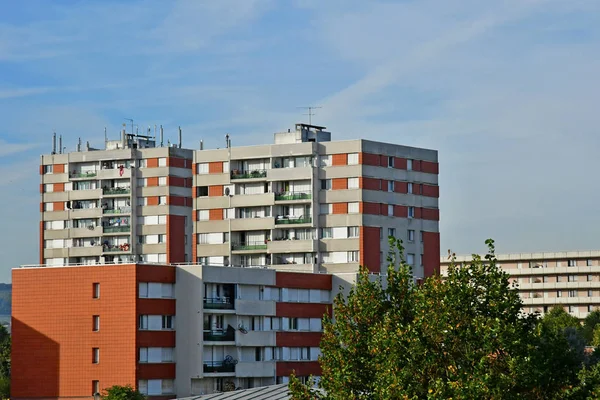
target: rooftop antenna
<point>180,137</point>
<point>227,141</point>
<point>105,137</point>
<point>130,120</point>
<point>310,112</point>
<point>60,148</point>
<point>54,142</point>
<point>161,136</point>
<point>155,134</point>
<point>79,145</point>
<point>201,144</point>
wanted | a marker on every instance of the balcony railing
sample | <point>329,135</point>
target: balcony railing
<point>254,174</point>
<point>292,196</point>
<point>249,246</point>
<point>218,303</point>
<point>120,210</point>
<point>220,336</point>
<point>227,365</point>
<point>83,174</point>
<point>292,220</point>
<point>116,229</point>
<point>116,190</point>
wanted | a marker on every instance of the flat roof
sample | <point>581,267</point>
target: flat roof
<point>543,256</point>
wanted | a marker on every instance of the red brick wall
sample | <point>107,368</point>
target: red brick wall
<point>370,246</point>
<point>52,330</point>
<point>371,208</point>
<point>431,253</point>
<point>431,190</point>
<point>401,187</point>
<point>152,181</point>
<point>401,211</point>
<point>298,339</point>
<point>154,273</point>
<point>339,159</point>
<point>300,368</point>
<point>430,167</point>
<point>370,183</point>
<point>369,159</point>
<point>302,310</point>
<point>59,187</point>
<point>176,181</point>
<point>340,208</point>
<point>296,280</point>
<point>430,213</point>
<point>156,339</point>
<point>152,200</point>
<point>215,214</point>
<point>152,163</point>
<point>155,306</point>
<point>339,183</point>
<point>156,371</point>
<point>215,167</point>
<point>175,238</point>
<point>400,163</point>
<point>179,162</point>
<point>177,201</point>
<point>216,190</point>
<point>58,168</point>
<point>59,206</point>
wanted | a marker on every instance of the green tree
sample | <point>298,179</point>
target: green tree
<point>589,324</point>
<point>461,337</point>
<point>117,392</point>
<point>557,319</point>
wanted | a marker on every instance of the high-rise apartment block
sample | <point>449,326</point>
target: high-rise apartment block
<point>128,202</point>
<point>567,279</point>
<point>306,203</point>
<point>185,272</point>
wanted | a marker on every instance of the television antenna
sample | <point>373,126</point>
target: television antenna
<point>310,112</point>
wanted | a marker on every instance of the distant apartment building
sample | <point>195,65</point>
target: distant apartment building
<point>167,330</point>
<point>128,202</point>
<point>306,203</point>
<point>545,280</point>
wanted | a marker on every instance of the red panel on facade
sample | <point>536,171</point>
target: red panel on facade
<point>58,168</point>
<point>298,339</point>
<point>431,190</point>
<point>399,163</point>
<point>370,159</point>
<point>215,190</point>
<point>155,306</point>
<point>401,211</point>
<point>370,247</point>
<point>156,371</point>
<point>42,188</point>
<point>416,165</point>
<point>175,238</point>
<point>215,167</point>
<point>155,273</point>
<point>370,183</point>
<point>215,214</point>
<point>339,183</point>
<point>401,187</point>
<point>152,201</point>
<point>52,336</point>
<point>152,163</point>
<point>300,368</point>
<point>176,181</point>
<point>340,208</point>
<point>296,280</point>
<point>339,159</point>
<point>194,168</point>
<point>431,253</point>
<point>430,167</point>
<point>41,248</point>
<point>179,162</point>
<point>150,182</point>
<point>59,206</point>
<point>371,208</point>
<point>59,187</point>
<point>176,201</point>
<point>156,339</point>
<point>383,209</point>
<point>302,310</point>
<point>432,214</point>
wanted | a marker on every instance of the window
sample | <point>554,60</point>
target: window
<point>589,263</point>
<point>162,238</point>
<point>572,263</point>
<point>326,233</point>
<point>353,231</point>
<point>558,278</point>
<point>392,232</point>
<point>48,188</point>
<point>410,187</point>
<point>572,293</point>
<point>48,206</point>
<point>325,209</point>
<point>571,309</point>
<point>590,308</point>
<point>162,200</point>
<point>202,191</point>
<point>545,279</point>
<point>95,355</point>
<point>142,163</point>
<point>559,293</point>
<point>352,183</point>
<point>326,161</point>
<point>353,208</point>
<point>572,278</point>
<point>390,162</point>
<point>162,162</point>
<point>410,259</point>
<point>352,158</point>
<point>380,233</point>
<point>96,323</point>
<point>411,235</point>
<point>390,186</point>
<point>409,165</point>
<point>48,169</point>
<point>162,181</point>
<point>141,182</point>
<point>168,322</point>
<point>95,387</point>
<point>325,184</point>
<point>590,278</point>
<point>411,212</point>
<point>305,353</point>
<point>390,210</point>
<point>590,293</point>
<point>293,324</point>
<point>203,215</point>
<point>258,356</point>
<point>96,291</point>
<point>202,168</point>
<point>353,256</point>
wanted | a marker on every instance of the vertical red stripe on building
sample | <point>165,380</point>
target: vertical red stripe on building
<point>175,238</point>
<point>431,253</point>
<point>41,248</point>
<point>370,247</point>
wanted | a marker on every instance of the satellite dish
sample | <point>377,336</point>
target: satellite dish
<point>227,191</point>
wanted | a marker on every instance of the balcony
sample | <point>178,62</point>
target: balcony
<point>227,335</point>
<point>83,175</point>
<point>218,303</point>
<point>292,196</point>
<point>120,210</point>
<point>249,246</point>
<point>225,366</point>
<point>289,220</point>
<point>254,174</point>
<point>116,191</point>
<point>109,248</point>
<point>116,229</point>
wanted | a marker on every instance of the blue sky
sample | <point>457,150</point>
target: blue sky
<point>507,91</point>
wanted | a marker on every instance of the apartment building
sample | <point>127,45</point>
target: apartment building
<point>128,202</point>
<point>306,203</point>
<point>568,279</point>
<point>167,330</point>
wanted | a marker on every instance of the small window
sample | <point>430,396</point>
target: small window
<point>353,256</point>
<point>142,163</point>
<point>202,191</point>
<point>353,208</point>
<point>325,184</point>
<point>411,212</point>
<point>48,169</point>
<point>95,387</point>
<point>411,235</point>
<point>293,324</point>
<point>390,210</point>
<point>558,278</point>
<point>571,308</point>
<point>162,181</point>
<point>96,290</point>
<point>572,293</point>
<point>325,209</point>
<point>590,278</point>
<point>590,293</point>
<point>95,355</point>
<point>410,259</point>
<point>352,158</point>
<point>202,168</point>
<point>391,162</point>
<point>572,278</point>
<point>390,186</point>
<point>353,231</point>
<point>96,323</point>
<point>162,162</point>
<point>326,233</point>
<point>589,263</point>
<point>392,232</point>
<point>590,308</point>
<point>410,187</point>
<point>572,263</point>
<point>559,293</point>
<point>325,161</point>
<point>162,200</point>
<point>380,233</point>
<point>162,238</point>
<point>409,165</point>
<point>352,183</point>
<point>168,322</point>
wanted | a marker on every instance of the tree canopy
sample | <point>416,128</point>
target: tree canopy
<point>117,392</point>
<point>463,336</point>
